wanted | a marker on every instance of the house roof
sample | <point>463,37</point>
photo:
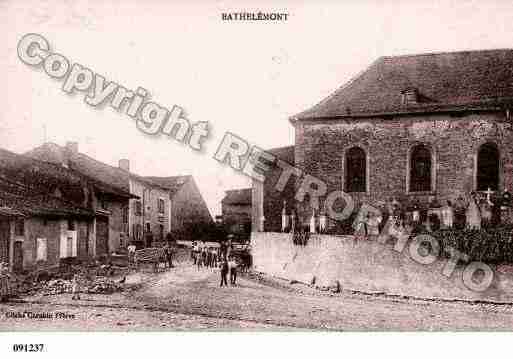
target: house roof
<point>107,177</point>
<point>238,197</point>
<point>19,200</point>
<point>9,212</point>
<point>444,82</point>
<point>38,177</point>
<point>172,183</point>
<point>41,205</point>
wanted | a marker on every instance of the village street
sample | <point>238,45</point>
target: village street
<point>185,298</point>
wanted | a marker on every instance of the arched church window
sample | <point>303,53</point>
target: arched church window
<point>356,170</point>
<point>488,167</point>
<point>420,169</point>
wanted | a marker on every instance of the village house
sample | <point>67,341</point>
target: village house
<point>236,211</point>
<point>187,206</point>
<point>50,212</point>
<point>39,231</point>
<point>428,127</point>
<point>146,211</point>
<point>158,205</point>
<point>149,215</point>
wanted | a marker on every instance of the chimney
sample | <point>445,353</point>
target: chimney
<point>124,164</point>
<point>70,150</point>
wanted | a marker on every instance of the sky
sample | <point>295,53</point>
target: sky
<point>243,77</point>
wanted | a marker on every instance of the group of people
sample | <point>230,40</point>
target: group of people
<point>474,212</point>
<point>204,256</point>
<point>216,257</point>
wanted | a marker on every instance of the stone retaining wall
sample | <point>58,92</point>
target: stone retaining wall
<point>367,266</point>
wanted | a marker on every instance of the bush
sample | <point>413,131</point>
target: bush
<point>492,245</point>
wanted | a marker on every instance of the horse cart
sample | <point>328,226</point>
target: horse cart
<point>152,255</point>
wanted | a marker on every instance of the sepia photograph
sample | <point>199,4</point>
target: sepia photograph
<point>254,167</point>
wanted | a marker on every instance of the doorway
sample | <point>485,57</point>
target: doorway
<point>18,256</point>
<point>5,235</point>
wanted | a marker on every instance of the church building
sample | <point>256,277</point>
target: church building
<point>415,128</point>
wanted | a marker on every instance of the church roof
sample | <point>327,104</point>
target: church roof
<point>427,83</point>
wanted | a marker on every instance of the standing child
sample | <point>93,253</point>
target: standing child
<point>224,272</point>
<point>75,289</point>
<point>168,250</point>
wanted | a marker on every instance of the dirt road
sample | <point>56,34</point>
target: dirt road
<point>188,298</point>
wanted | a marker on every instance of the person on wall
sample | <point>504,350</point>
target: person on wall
<point>472,213</point>
<point>459,213</point>
<point>448,215</point>
<point>505,208</point>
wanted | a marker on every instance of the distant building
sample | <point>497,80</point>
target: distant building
<point>49,212</point>
<point>268,202</point>
<point>236,211</point>
<point>188,208</point>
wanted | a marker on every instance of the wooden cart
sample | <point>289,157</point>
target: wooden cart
<point>151,255</point>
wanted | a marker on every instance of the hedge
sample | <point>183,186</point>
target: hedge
<point>491,245</point>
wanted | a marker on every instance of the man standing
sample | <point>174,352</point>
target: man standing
<point>232,266</point>
<point>222,250</point>
<point>168,251</point>
<point>224,272</point>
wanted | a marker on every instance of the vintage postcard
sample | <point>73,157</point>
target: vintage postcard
<point>255,166</point>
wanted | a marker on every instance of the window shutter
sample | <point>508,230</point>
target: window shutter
<point>74,247</point>
<point>42,249</point>
<point>63,245</point>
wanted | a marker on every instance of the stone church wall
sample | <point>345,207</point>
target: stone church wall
<point>455,140</point>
